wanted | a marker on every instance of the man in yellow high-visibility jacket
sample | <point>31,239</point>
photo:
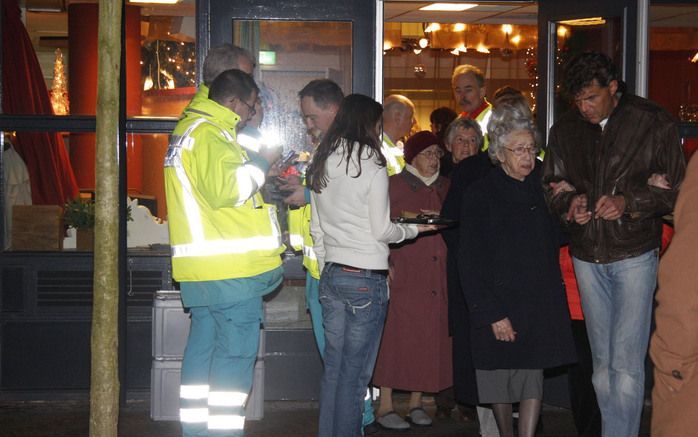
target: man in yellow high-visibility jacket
<point>398,118</point>
<point>226,246</point>
<point>468,83</point>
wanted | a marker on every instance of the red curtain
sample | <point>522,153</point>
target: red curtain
<point>24,92</point>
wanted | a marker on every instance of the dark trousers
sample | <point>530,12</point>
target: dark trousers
<point>585,408</point>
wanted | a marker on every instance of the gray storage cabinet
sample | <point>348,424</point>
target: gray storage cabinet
<point>170,331</point>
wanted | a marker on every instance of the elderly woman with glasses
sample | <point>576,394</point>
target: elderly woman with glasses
<point>415,353</point>
<point>510,275</point>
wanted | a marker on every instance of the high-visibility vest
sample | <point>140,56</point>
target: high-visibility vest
<point>220,227</point>
<point>301,240</point>
<point>394,156</point>
<point>482,118</point>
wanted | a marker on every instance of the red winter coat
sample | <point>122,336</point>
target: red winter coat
<point>415,353</point>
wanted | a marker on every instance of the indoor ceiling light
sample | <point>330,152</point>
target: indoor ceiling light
<point>387,45</point>
<point>507,28</point>
<point>591,21</point>
<point>561,31</point>
<point>516,39</point>
<point>423,43</point>
<point>448,7</point>
<point>459,27</point>
<point>160,2</point>
<point>432,27</point>
<point>481,48</point>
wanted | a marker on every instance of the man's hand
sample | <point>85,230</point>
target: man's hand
<point>579,210</point>
<point>290,182</point>
<point>503,331</point>
<point>297,196</point>
<point>610,207</point>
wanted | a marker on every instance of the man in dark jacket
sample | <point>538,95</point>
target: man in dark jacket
<point>606,149</point>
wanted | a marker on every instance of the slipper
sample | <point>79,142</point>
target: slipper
<point>392,420</point>
<point>417,416</point>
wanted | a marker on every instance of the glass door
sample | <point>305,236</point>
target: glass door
<point>569,27</point>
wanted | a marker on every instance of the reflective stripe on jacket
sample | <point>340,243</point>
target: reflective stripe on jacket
<point>394,156</point>
<point>299,232</point>
<point>220,228</point>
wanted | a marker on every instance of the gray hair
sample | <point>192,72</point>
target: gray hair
<point>465,123</point>
<point>397,103</point>
<point>467,68</point>
<point>221,58</point>
<point>505,120</point>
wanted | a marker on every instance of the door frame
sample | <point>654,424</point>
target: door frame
<point>215,17</point>
<point>634,45</point>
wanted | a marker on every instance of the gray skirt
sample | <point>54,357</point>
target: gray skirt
<point>506,386</point>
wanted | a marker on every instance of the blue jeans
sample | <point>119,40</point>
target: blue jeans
<point>354,304</point>
<point>312,299</point>
<point>617,301</point>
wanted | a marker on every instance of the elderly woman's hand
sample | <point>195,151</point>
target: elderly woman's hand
<point>503,330</point>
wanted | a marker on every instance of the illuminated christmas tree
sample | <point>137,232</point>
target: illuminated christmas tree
<point>59,91</point>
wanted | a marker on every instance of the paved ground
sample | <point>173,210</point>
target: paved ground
<point>283,419</point>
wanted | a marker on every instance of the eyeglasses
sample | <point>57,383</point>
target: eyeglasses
<point>250,108</point>
<point>521,150</point>
<point>437,154</point>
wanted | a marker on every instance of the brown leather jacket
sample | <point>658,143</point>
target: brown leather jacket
<point>639,139</point>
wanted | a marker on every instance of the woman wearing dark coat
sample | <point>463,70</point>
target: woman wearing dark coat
<point>463,175</point>
<point>510,275</point>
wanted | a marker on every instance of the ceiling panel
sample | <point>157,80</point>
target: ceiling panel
<point>408,11</point>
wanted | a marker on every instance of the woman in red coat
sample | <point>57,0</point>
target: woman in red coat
<point>415,353</point>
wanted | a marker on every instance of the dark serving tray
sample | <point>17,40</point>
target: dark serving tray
<point>425,220</point>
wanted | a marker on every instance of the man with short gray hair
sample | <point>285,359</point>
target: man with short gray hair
<point>398,117</point>
<point>468,83</point>
<point>219,59</point>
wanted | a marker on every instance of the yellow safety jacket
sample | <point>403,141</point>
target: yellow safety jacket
<point>220,228</point>
<point>394,156</point>
<point>299,235</point>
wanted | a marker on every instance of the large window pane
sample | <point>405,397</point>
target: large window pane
<point>160,57</point>
<point>144,162</point>
<point>289,55</point>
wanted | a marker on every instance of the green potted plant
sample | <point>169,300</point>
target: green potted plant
<point>80,214</point>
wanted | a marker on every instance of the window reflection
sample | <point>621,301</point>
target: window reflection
<point>590,34</point>
<point>289,55</point>
<point>673,61</point>
<point>35,193</point>
<point>160,57</point>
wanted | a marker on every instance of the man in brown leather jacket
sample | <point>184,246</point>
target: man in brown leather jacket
<point>606,149</point>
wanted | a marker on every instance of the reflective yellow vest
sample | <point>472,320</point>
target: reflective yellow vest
<point>220,227</point>
<point>394,156</point>
<point>299,234</point>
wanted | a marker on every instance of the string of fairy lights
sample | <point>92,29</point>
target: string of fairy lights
<point>168,64</point>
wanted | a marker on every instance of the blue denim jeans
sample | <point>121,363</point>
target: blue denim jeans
<point>312,298</point>
<point>354,303</point>
<point>617,301</point>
